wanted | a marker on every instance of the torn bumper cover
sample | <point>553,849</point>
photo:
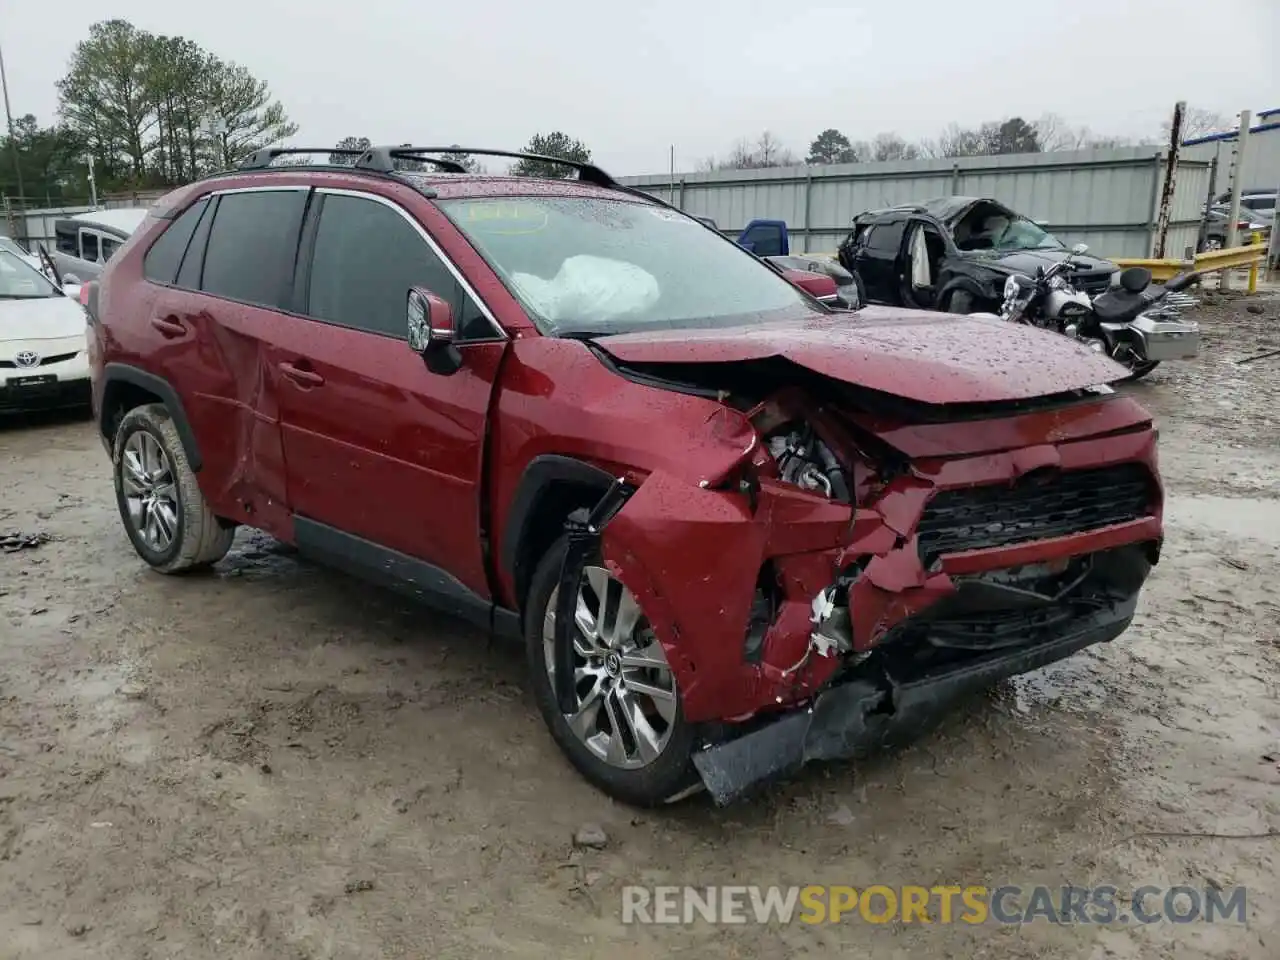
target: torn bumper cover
<point>798,627</point>
<point>854,718</point>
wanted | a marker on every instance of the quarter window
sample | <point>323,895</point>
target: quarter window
<point>252,246</point>
<point>160,265</point>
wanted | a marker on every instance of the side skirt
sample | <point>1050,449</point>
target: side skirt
<point>402,573</point>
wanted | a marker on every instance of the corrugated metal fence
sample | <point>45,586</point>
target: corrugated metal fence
<point>1108,199</point>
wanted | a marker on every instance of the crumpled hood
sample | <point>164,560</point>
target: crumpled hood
<point>46,318</point>
<point>926,357</point>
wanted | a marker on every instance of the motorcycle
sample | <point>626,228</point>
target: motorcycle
<point>1134,323</point>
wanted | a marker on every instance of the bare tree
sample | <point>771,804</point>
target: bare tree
<point>1198,122</point>
<point>890,146</point>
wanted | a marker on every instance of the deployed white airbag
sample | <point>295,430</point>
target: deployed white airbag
<point>588,289</point>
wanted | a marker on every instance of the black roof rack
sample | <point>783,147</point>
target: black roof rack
<point>262,159</point>
<point>381,159</point>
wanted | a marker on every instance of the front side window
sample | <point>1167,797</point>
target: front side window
<point>66,241</point>
<point>367,256</point>
<point>89,246</point>
<point>252,245</point>
<point>601,266</point>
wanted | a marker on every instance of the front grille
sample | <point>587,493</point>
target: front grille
<point>1092,283</point>
<point>1035,508</point>
<point>44,361</point>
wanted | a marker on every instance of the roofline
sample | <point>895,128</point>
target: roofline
<point>254,166</point>
<point>1232,134</point>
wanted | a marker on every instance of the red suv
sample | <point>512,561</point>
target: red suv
<point>737,530</point>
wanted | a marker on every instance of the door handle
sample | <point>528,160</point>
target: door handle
<point>169,327</point>
<point>301,375</point>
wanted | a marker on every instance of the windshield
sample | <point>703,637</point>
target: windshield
<point>20,281</point>
<point>596,266</point>
<point>1023,234</point>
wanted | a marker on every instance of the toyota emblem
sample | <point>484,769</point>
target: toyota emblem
<point>27,358</point>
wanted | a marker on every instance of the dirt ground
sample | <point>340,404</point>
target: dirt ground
<point>275,761</point>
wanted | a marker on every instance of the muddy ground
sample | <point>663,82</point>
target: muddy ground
<point>275,761</point>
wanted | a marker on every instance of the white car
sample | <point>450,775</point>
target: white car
<point>44,362</point>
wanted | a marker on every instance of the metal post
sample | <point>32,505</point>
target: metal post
<point>955,179</point>
<point>1233,209</point>
<point>13,144</point>
<point>673,176</point>
<point>93,185</point>
<point>808,192</point>
<point>1156,162</point>
<point>1170,179</point>
<point>1202,236</point>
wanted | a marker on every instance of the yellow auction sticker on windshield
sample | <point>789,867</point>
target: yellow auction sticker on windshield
<point>505,217</point>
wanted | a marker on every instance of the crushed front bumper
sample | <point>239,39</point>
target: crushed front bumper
<point>857,717</point>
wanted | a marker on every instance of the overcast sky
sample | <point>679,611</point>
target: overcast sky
<point>631,79</point>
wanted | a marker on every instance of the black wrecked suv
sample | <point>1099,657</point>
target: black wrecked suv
<point>954,254</point>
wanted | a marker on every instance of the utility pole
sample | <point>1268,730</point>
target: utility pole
<point>13,144</point>
<point>93,185</point>
<point>1233,210</point>
<point>1170,177</point>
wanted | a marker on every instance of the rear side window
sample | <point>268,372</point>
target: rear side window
<point>161,263</point>
<point>252,245</point>
<point>886,237</point>
<point>67,242</point>
<point>366,258</point>
<point>89,246</point>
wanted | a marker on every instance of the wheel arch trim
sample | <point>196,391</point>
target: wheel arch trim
<point>124,373</point>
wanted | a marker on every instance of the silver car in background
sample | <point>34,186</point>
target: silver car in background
<point>85,242</point>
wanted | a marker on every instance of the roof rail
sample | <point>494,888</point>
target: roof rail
<point>365,159</point>
<point>587,172</point>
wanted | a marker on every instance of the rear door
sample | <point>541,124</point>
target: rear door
<point>213,323</point>
<point>878,259</point>
<point>384,457</point>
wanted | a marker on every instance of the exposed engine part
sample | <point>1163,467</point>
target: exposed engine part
<point>804,460</point>
<point>832,632</point>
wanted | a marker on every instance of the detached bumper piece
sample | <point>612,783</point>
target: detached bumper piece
<point>996,626</point>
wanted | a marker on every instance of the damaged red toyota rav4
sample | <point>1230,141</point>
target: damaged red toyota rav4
<point>736,529</point>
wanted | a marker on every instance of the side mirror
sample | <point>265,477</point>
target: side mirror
<point>70,280</point>
<point>1080,248</point>
<point>431,331</point>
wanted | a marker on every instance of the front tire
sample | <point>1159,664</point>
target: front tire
<point>164,513</point>
<point>960,301</point>
<point>629,737</point>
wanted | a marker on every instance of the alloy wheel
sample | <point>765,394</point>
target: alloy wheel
<point>150,492</point>
<point>626,693</point>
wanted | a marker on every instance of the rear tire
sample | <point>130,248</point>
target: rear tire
<point>667,777</point>
<point>163,511</point>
